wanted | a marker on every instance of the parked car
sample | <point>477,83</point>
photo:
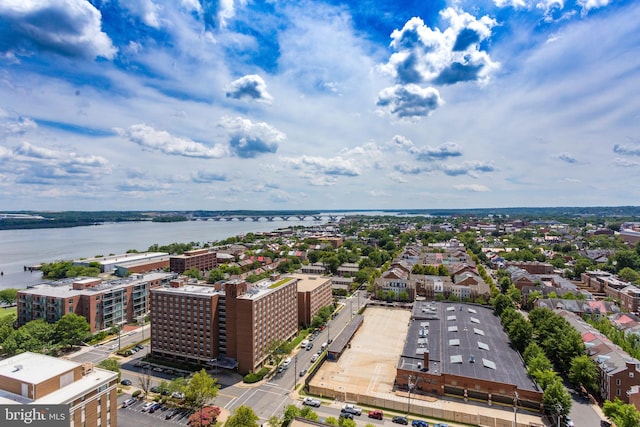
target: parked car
<point>177,395</point>
<point>130,401</point>
<point>568,421</point>
<point>171,413</point>
<point>309,401</point>
<point>147,406</point>
<point>157,369</point>
<point>377,414</point>
<point>125,382</point>
<point>154,389</point>
<point>347,415</point>
<point>400,420</point>
<point>352,409</point>
<point>303,372</point>
<point>314,358</point>
<point>419,423</point>
<point>154,408</point>
<point>441,425</point>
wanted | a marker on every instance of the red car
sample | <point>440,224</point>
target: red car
<point>377,414</point>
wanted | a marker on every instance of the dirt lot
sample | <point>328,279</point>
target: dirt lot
<point>370,364</point>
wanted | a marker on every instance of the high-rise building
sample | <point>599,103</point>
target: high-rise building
<point>237,323</point>
<point>34,379</point>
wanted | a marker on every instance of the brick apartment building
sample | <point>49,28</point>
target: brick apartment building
<point>314,292</point>
<point>612,286</point>
<point>618,371</point>
<point>103,303</point>
<point>532,267</point>
<point>91,393</point>
<point>200,259</point>
<point>199,323</point>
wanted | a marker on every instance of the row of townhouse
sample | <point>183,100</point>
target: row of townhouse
<point>463,280</point>
<point>618,372</point>
<point>233,324</point>
<point>611,285</point>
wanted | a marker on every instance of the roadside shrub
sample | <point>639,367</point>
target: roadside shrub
<point>136,393</point>
<point>251,378</point>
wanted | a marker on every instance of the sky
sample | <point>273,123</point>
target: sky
<point>308,104</point>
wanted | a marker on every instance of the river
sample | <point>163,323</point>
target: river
<point>30,247</point>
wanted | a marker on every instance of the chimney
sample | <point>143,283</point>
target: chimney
<point>426,360</point>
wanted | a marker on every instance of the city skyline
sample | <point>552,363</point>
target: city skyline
<point>236,104</point>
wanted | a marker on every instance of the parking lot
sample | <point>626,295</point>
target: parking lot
<point>136,415</point>
<point>369,366</point>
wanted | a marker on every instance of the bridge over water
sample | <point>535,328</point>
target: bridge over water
<point>270,218</point>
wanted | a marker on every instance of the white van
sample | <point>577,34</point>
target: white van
<point>286,363</point>
<point>323,347</point>
<point>304,344</point>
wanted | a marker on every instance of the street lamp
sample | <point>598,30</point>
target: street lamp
<point>295,370</point>
<point>410,386</point>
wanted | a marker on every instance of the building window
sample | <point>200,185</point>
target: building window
<point>618,382</point>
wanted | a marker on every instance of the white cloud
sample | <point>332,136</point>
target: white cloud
<point>566,157</point>
<point>467,168</point>
<point>32,164</point>
<point>250,87</point>
<point>409,101</point>
<point>473,188</point>
<point>513,3</point>
<point>444,151</point>
<point>248,139</point>
<point>587,5</point>
<point>426,55</point>
<point>627,149</point>
<point>75,30</point>
<point>146,10</point>
<point>148,137</point>
<point>625,163</point>
<point>334,166</point>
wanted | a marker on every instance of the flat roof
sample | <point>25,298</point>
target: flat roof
<point>309,282</point>
<point>133,256</point>
<point>189,290</point>
<point>454,334</point>
<point>34,368</point>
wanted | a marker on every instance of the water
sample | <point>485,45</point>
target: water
<point>19,248</point>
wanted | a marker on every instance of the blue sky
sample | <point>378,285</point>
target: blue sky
<point>301,104</point>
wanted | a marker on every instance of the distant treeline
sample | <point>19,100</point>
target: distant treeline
<point>70,219</point>
<point>78,218</point>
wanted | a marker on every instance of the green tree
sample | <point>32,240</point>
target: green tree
<point>307,413</point>
<point>71,329</point>
<point>36,336</point>
<point>9,296</point>
<point>243,416</point>
<point>346,422</point>
<point>557,398</point>
<point>333,421</point>
<point>274,421</point>
<point>193,272</point>
<point>501,303</point>
<point>623,414</point>
<point>111,364</point>
<point>200,389</point>
<point>532,350</point>
<point>520,333</point>
<point>583,372</point>
<point>629,275</point>
<point>290,411</point>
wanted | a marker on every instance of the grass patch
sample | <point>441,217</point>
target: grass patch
<point>10,311</point>
<point>280,283</point>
